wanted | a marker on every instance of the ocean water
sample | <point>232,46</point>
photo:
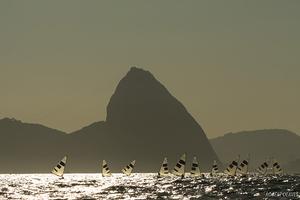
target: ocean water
<point>146,186</point>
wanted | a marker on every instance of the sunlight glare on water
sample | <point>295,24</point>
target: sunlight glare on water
<point>144,186</point>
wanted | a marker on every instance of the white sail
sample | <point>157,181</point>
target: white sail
<point>179,167</point>
<point>128,169</point>
<point>231,169</point>
<point>59,169</point>
<point>215,168</point>
<point>262,169</point>
<point>243,168</point>
<point>276,168</point>
<point>105,169</point>
<point>195,171</point>
<point>164,170</point>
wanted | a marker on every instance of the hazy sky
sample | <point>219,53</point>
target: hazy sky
<point>235,65</point>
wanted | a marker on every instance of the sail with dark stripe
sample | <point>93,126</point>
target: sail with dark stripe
<point>215,168</point>
<point>262,169</point>
<point>243,167</point>
<point>179,168</point>
<point>231,169</point>
<point>195,171</point>
<point>277,170</point>
<point>59,169</point>
<point>105,169</point>
<point>128,169</point>
<point>164,170</point>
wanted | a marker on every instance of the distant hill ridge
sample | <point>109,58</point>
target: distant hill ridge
<point>291,165</point>
<point>12,123</point>
<point>281,144</point>
<point>25,146</point>
<point>260,132</point>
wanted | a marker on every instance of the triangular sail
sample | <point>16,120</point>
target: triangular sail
<point>231,169</point>
<point>180,166</point>
<point>215,168</point>
<point>128,169</point>
<point>105,169</point>
<point>243,168</point>
<point>59,169</point>
<point>164,170</point>
<point>276,168</point>
<point>195,171</point>
<point>262,169</point>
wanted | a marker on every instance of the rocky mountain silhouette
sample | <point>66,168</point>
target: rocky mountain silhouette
<point>144,122</point>
<point>261,145</point>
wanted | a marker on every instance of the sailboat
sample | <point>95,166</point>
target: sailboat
<point>180,166</point>
<point>164,170</point>
<point>215,168</point>
<point>128,169</point>
<point>105,170</point>
<point>262,169</point>
<point>243,167</point>
<point>59,169</point>
<point>277,170</point>
<point>195,171</point>
<point>231,169</point>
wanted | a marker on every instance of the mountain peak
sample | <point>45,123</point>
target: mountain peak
<point>140,97</point>
<point>143,113</point>
<point>137,76</point>
<point>135,69</point>
<point>135,72</point>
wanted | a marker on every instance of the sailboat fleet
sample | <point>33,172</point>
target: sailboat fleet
<point>233,169</point>
<point>243,169</point>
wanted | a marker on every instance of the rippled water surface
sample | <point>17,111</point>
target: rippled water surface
<point>146,186</point>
